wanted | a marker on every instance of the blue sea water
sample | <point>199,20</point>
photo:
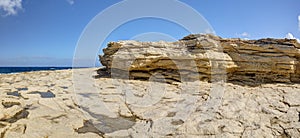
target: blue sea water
<point>9,70</point>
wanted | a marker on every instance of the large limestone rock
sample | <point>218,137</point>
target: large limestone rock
<point>205,57</point>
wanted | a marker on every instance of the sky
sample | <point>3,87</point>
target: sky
<point>46,32</point>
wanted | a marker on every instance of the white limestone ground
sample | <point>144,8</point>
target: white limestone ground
<point>46,104</point>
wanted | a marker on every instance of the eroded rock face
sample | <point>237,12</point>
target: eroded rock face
<point>205,57</point>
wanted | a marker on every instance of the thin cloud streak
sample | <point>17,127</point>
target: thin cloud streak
<point>299,23</point>
<point>71,2</point>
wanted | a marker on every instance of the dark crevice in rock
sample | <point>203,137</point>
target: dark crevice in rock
<point>47,94</point>
<point>55,119</point>
<point>22,89</point>
<point>9,104</point>
<point>170,135</point>
<point>71,107</point>
<point>135,117</point>
<point>25,128</point>
<point>171,114</point>
<point>2,134</point>
<point>285,134</point>
<point>19,115</point>
<point>177,122</point>
<point>221,128</point>
<point>284,102</point>
<point>274,121</point>
<point>17,94</point>
<point>64,87</point>
<point>87,127</point>
<point>87,95</point>
<point>2,125</point>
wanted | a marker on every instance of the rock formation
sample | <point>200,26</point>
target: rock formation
<point>205,57</point>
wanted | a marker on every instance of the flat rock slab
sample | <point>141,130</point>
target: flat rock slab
<point>132,108</point>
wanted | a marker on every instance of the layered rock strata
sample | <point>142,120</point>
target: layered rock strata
<point>205,57</point>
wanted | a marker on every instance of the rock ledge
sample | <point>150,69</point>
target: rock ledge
<point>206,58</point>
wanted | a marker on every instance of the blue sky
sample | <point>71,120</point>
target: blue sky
<point>45,32</point>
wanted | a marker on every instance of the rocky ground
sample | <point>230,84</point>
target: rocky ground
<point>65,104</point>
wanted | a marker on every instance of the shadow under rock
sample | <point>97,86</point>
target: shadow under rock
<point>102,73</point>
<point>47,94</point>
<point>15,93</point>
<point>248,79</point>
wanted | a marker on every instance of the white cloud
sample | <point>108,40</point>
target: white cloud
<point>299,22</point>
<point>10,7</point>
<point>245,34</point>
<point>291,36</point>
<point>71,2</point>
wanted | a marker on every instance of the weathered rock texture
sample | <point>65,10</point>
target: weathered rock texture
<point>270,110</point>
<point>206,57</point>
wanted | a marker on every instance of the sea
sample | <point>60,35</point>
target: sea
<point>10,70</point>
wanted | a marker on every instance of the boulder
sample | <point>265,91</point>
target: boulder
<point>205,57</point>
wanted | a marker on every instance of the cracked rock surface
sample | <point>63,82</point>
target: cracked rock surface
<point>133,108</point>
<point>30,109</point>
